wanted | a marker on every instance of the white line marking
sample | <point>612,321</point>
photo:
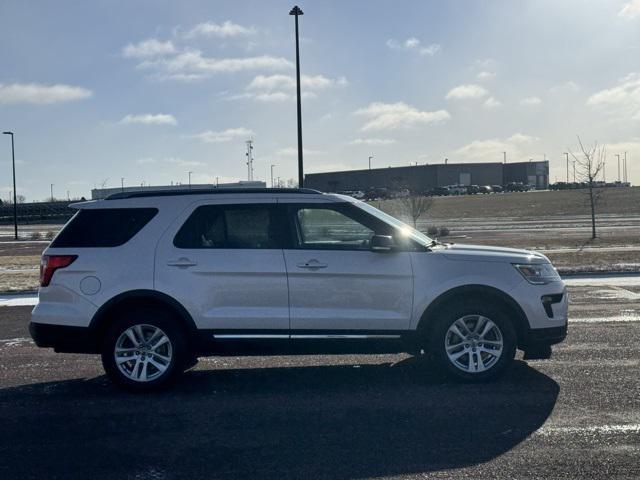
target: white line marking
<point>612,319</point>
<point>591,429</point>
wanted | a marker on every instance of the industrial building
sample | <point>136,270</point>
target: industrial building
<point>100,193</point>
<point>422,178</point>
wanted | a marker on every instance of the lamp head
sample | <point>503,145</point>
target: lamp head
<point>296,11</point>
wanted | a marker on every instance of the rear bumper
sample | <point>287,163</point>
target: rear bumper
<point>63,338</point>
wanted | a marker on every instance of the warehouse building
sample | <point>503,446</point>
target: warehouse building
<point>422,178</point>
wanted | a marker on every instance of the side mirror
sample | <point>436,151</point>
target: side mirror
<point>382,243</point>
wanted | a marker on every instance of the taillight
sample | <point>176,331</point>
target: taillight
<point>50,263</point>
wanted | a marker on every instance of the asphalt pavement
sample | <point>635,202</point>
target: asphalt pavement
<point>336,417</point>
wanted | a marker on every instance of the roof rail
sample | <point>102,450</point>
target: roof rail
<point>208,191</point>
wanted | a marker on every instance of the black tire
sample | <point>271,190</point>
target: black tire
<point>149,317</point>
<point>447,316</point>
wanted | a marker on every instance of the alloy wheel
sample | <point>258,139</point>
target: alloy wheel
<point>474,343</point>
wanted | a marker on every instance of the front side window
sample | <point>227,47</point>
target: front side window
<point>331,229</point>
<point>232,226</point>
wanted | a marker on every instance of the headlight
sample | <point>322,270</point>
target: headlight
<point>538,273</point>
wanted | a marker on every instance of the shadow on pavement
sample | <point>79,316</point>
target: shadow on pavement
<point>314,422</point>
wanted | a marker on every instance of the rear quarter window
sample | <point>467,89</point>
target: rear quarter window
<point>108,227</point>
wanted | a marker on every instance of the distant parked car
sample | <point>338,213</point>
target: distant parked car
<point>439,192</point>
<point>485,189</point>
<point>515,187</point>
<point>497,188</point>
<point>457,189</point>
<point>473,189</point>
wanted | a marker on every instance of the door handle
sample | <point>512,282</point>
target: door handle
<point>312,264</point>
<point>182,263</point>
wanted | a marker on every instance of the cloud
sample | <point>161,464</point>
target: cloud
<point>630,10</point>
<point>415,45</point>
<point>192,65</point>
<point>148,49</point>
<point>372,141</point>
<point>622,101</point>
<point>149,119</point>
<point>293,152</point>
<point>392,116</point>
<point>469,91</point>
<point>568,86</point>
<point>224,30</point>
<point>39,94</point>
<point>531,101</point>
<point>169,160</point>
<point>491,150</point>
<point>492,103</point>
<point>485,75</point>
<point>276,88</point>
<point>222,136</point>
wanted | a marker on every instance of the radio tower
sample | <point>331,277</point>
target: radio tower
<point>249,155</point>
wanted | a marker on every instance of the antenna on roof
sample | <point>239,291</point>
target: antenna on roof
<point>249,155</point>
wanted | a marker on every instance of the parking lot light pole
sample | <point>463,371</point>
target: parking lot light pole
<point>296,12</point>
<point>272,174</point>
<point>370,162</point>
<point>567,155</point>
<point>15,202</point>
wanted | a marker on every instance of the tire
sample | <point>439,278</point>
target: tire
<point>157,361</point>
<point>467,355</point>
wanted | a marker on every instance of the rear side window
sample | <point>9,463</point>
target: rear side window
<point>233,226</point>
<point>108,227</point>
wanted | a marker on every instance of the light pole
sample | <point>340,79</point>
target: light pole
<point>625,167</point>
<point>15,203</point>
<point>574,171</point>
<point>122,183</point>
<point>504,154</point>
<point>618,155</point>
<point>190,179</point>
<point>52,191</point>
<point>567,155</point>
<point>370,162</point>
<point>296,12</point>
<point>272,175</point>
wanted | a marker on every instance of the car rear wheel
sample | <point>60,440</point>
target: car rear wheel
<point>475,342</point>
<point>144,350</point>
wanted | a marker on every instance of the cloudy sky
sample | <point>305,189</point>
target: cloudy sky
<point>149,90</point>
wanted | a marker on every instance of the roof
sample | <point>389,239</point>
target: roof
<point>212,191</point>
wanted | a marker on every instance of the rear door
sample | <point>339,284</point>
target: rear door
<point>337,285</point>
<point>224,263</point>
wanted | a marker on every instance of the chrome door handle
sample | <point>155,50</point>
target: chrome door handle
<point>182,263</point>
<point>312,264</point>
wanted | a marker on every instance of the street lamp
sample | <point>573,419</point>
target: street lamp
<point>15,203</point>
<point>52,191</point>
<point>370,162</point>
<point>618,155</point>
<point>272,174</point>
<point>567,155</point>
<point>296,12</point>
<point>190,179</point>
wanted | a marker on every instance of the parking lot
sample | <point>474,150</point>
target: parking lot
<point>390,416</point>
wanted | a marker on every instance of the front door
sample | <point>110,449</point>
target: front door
<point>336,283</point>
<point>224,263</point>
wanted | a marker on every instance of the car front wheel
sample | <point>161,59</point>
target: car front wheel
<point>474,342</point>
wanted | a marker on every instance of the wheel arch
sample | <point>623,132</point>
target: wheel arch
<point>482,293</point>
<point>138,298</point>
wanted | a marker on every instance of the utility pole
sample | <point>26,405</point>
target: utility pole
<point>370,162</point>
<point>295,11</point>
<point>249,156</point>
<point>272,175</point>
<point>625,167</point>
<point>15,202</point>
<point>567,155</point>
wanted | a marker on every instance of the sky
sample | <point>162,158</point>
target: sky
<point>149,90</point>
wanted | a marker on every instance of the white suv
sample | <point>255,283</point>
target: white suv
<point>153,280</point>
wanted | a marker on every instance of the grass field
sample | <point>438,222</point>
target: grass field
<point>526,205</point>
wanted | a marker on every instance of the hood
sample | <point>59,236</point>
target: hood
<point>482,253</point>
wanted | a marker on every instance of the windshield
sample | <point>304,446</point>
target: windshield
<point>404,229</point>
